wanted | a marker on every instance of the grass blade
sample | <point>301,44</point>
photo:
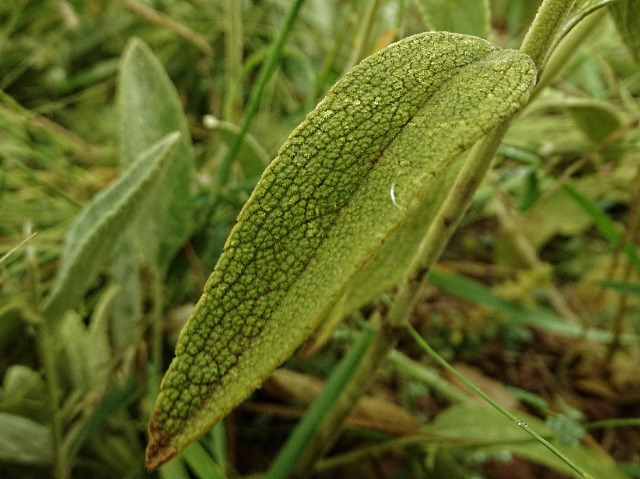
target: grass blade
<point>604,225</point>
<point>304,432</point>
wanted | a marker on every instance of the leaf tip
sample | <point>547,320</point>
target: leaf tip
<point>159,449</point>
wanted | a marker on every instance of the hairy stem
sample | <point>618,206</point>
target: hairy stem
<point>566,48</point>
<point>542,33</point>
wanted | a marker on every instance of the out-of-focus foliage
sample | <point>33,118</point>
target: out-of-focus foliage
<point>552,235</point>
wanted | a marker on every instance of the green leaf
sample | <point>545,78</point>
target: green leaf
<point>101,223</point>
<point>83,352</point>
<point>580,11</point>
<point>487,430</point>
<point>23,393</point>
<point>252,157</point>
<point>198,459</point>
<point>150,109</point>
<point>388,265</point>
<point>631,289</point>
<point>357,169</point>
<point>537,317</point>
<point>605,225</point>
<point>459,16</point>
<point>597,120</point>
<point>626,14</point>
<point>23,441</point>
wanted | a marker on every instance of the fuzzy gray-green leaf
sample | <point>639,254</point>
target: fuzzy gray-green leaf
<point>150,109</point>
<point>101,224</point>
<point>353,173</point>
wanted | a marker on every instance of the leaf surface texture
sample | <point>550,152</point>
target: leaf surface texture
<point>351,175</point>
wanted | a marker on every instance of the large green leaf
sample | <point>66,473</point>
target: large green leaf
<point>354,172</point>
<point>150,109</point>
<point>626,14</point>
<point>101,223</point>
<point>461,16</point>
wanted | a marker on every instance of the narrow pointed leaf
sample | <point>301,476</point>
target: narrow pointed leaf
<point>301,437</point>
<point>459,16</point>
<point>101,224</point>
<point>150,109</point>
<point>626,14</point>
<point>580,11</point>
<point>348,177</point>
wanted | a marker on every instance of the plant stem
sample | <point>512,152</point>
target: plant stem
<point>452,210</point>
<point>233,56</point>
<point>542,33</point>
<point>364,34</point>
<point>256,95</point>
<point>164,21</point>
<point>615,422</point>
<point>566,48</point>
<point>156,323</point>
<point>428,376</point>
<point>442,362</point>
<point>17,247</point>
<point>46,345</point>
<point>329,61</point>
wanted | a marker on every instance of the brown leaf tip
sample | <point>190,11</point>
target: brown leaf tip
<point>159,448</point>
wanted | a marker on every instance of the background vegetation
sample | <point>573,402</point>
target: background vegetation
<point>535,298</point>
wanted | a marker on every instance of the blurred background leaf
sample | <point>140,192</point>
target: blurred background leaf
<point>60,139</point>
